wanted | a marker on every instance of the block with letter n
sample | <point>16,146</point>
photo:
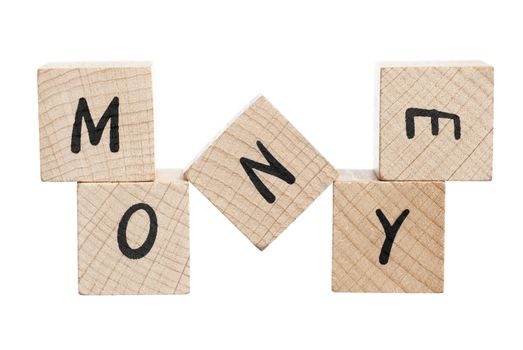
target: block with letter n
<point>435,121</point>
<point>261,173</point>
<point>96,122</point>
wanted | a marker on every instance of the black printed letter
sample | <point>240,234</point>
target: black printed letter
<point>95,132</point>
<point>390,233</point>
<point>434,116</point>
<point>151,236</point>
<point>274,168</point>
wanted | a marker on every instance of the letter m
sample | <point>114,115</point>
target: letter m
<point>95,132</point>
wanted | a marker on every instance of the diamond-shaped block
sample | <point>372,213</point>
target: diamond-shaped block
<point>133,237</point>
<point>388,236</point>
<point>435,121</point>
<point>261,173</point>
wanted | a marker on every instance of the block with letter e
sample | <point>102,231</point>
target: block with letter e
<point>388,236</point>
<point>435,121</point>
<point>261,173</point>
<point>133,237</point>
<point>96,122</point>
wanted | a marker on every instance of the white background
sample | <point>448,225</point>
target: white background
<point>315,63</point>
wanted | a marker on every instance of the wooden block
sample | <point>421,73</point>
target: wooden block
<point>436,121</point>
<point>133,237</point>
<point>96,122</point>
<point>261,173</point>
<point>409,257</point>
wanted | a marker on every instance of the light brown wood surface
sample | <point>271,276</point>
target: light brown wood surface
<point>461,88</point>
<point>417,256</point>
<point>60,87</point>
<point>103,268</point>
<point>218,174</point>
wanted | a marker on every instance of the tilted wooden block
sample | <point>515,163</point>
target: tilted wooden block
<point>133,237</point>
<point>436,121</point>
<point>387,236</point>
<point>261,173</point>
<point>96,122</point>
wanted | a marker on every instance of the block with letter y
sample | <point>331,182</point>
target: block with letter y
<point>388,236</point>
<point>435,121</point>
<point>96,122</point>
<point>261,173</point>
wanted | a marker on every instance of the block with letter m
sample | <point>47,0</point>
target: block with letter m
<point>96,122</point>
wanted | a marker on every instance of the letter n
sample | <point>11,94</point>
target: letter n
<point>274,168</point>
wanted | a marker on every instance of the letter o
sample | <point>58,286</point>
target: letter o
<point>141,251</point>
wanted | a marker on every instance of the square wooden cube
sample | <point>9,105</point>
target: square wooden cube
<point>387,236</point>
<point>435,121</point>
<point>96,122</point>
<point>133,237</point>
<point>261,173</point>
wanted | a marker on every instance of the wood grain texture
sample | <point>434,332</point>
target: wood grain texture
<point>417,255</point>
<point>60,86</point>
<point>103,268</point>
<point>464,89</point>
<point>218,174</point>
